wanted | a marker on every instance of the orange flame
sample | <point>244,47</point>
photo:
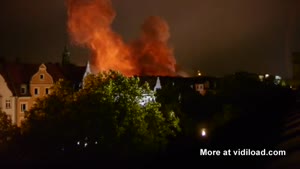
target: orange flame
<point>89,25</point>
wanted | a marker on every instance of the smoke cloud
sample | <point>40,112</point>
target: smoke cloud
<point>89,25</point>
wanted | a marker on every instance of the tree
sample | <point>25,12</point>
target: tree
<point>8,136</point>
<point>7,130</point>
<point>107,110</point>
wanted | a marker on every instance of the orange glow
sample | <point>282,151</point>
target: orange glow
<point>89,25</point>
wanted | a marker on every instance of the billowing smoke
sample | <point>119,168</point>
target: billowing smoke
<point>89,25</point>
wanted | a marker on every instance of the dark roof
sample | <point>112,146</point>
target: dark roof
<point>203,79</point>
<point>54,69</point>
<point>16,74</point>
<point>151,80</point>
<point>180,82</point>
<point>73,73</point>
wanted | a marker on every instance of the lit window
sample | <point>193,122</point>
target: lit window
<point>47,91</point>
<point>7,104</point>
<point>23,107</point>
<point>36,91</point>
<point>42,77</point>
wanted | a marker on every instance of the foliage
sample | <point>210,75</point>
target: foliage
<point>107,108</point>
<point>8,137</point>
<point>7,129</point>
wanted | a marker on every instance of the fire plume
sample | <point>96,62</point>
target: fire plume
<point>89,25</point>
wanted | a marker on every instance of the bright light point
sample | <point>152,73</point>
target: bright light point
<point>203,132</point>
<point>85,144</point>
<point>199,73</point>
<point>96,142</point>
<point>267,75</point>
<point>78,143</point>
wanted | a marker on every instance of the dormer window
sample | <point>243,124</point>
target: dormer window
<point>41,76</point>
<point>23,89</point>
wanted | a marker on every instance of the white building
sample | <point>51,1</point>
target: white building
<point>7,100</point>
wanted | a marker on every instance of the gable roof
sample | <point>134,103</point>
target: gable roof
<point>16,74</point>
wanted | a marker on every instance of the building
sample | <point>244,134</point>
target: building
<point>7,99</point>
<point>21,84</point>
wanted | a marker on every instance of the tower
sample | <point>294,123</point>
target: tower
<point>66,56</point>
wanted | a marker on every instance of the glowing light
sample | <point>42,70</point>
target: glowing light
<point>277,80</point>
<point>261,77</point>
<point>85,144</point>
<point>199,73</point>
<point>203,132</point>
<point>278,77</point>
<point>78,142</point>
<point>267,75</point>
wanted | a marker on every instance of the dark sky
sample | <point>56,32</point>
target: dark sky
<point>215,36</point>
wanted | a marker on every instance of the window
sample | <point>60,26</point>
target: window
<point>23,89</point>
<point>201,86</point>
<point>7,104</point>
<point>42,77</point>
<point>23,107</point>
<point>47,91</point>
<point>36,91</point>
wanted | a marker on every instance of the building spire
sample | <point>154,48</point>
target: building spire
<point>66,56</point>
<point>157,85</point>
<point>87,72</point>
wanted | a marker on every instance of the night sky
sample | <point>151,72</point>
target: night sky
<point>216,36</point>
